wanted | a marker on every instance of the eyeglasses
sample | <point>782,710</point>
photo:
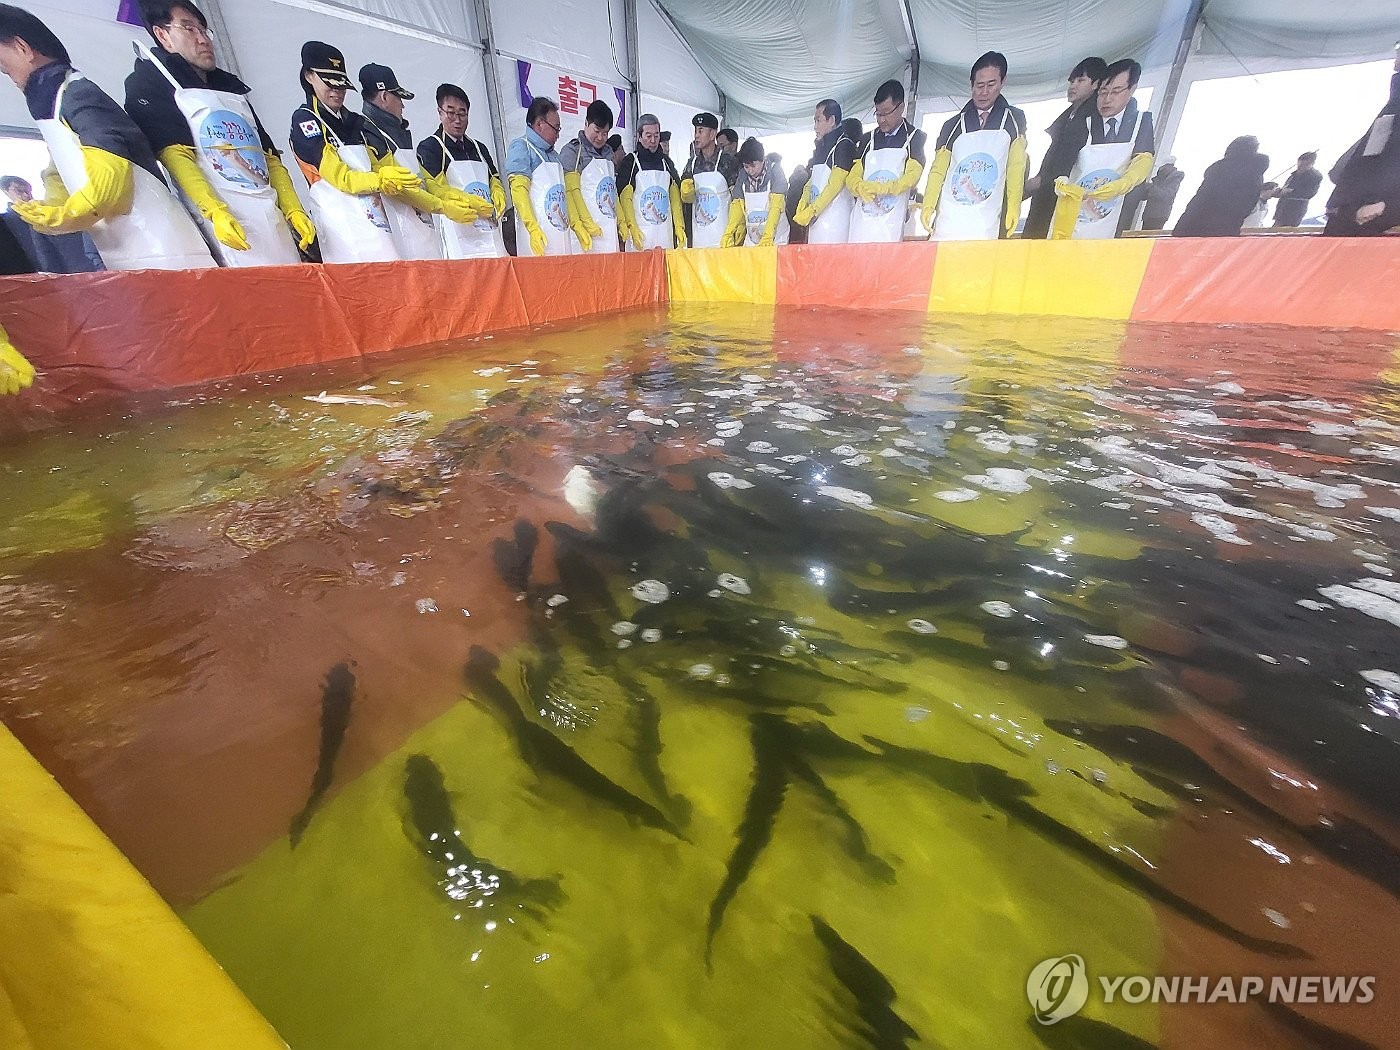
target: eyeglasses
<point>454,114</point>
<point>556,127</point>
<point>193,28</point>
<point>1108,92</point>
<point>887,113</point>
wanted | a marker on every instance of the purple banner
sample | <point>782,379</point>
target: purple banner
<point>129,11</point>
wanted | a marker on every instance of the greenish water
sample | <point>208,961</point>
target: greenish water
<point>725,677</point>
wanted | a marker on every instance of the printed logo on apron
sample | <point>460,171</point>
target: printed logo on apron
<point>480,189</point>
<point>1092,181</point>
<point>232,149</point>
<point>480,239</point>
<point>881,205</point>
<point>975,179</point>
<point>655,205</point>
<point>554,208</point>
<point>606,196</point>
<point>1099,163</point>
<point>706,207</point>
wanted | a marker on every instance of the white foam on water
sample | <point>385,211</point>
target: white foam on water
<point>556,600</point>
<point>806,413</point>
<point>581,491</point>
<point>1228,388</point>
<point>1108,641</point>
<point>1387,680</point>
<point>651,634</point>
<point>1363,601</point>
<point>768,468</point>
<point>851,496</point>
<point>425,605</point>
<point>794,458</point>
<point>890,453</point>
<point>844,450</point>
<point>489,371</point>
<point>1001,610</point>
<point>638,415</point>
<point>762,448</point>
<point>1389,588</point>
<point>728,481</point>
<point>1001,665</point>
<point>1196,417</point>
<point>736,584</point>
<point>623,628</point>
<point>1219,528</point>
<point>1393,513</point>
<point>1308,603</point>
<point>856,461</point>
<point>717,442</point>
<point>956,495</point>
<point>919,626</point>
<point>652,592</point>
<point>791,426</point>
<point>1322,429</point>
<point>1001,479</point>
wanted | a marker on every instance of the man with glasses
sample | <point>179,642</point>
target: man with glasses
<point>1116,158</point>
<point>453,161</point>
<point>201,125</point>
<point>888,165</point>
<point>1068,133</point>
<point>109,180</point>
<point>536,180</point>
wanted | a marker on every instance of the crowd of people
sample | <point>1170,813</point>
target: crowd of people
<point>374,194</point>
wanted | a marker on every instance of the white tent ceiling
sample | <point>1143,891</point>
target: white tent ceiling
<point>774,59</point>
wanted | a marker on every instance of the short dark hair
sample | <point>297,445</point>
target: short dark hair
<point>991,60</point>
<point>540,107</point>
<point>730,134</point>
<point>750,151</point>
<point>446,91</point>
<point>890,91</point>
<point>1092,67</point>
<point>599,114</point>
<point>1310,157</point>
<point>162,13</point>
<point>615,141</point>
<point>831,109</point>
<point>7,182</point>
<point>1124,65</point>
<point>18,24</point>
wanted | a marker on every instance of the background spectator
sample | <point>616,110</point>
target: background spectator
<point>1228,194</point>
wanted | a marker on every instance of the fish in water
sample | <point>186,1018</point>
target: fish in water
<point>324,398</point>
<point>337,694</point>
<point>515,558</point>
<point>874,995</point>
<point>431,826</point>
<point>545,753</point>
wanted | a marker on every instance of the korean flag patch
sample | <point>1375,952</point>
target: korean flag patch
<point>310,128</point>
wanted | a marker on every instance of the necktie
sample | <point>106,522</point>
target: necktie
<point>1112,127</point>
<point>983,118</point>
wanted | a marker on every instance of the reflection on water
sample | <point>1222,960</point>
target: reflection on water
<point>798,679</point>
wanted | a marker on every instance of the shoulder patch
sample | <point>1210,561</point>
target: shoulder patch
<point>310,128</point>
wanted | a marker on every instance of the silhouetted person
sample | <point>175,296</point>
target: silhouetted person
<point>1228,193</point>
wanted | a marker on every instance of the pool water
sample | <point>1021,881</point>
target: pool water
<point>729,676</point>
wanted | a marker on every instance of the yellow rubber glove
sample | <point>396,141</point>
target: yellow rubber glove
<point>677,219</point>
<point>401,182</point>
<point>184,169</point>
<point>498,196</point>
<point>776,203</point>
<point>55,192</point>
<point>454,209</point>
<point>585,229</point>
<point>288,203</point>
<point>736,228</point>
<point>1015,182</point>
<point>634,227</point>
<point>1137,170</point>
<point>688,191</point>
<point>108,191</point>
<point>347,179</point>
<point>461,202</point>
<point>520,197</point>
<point>906,181</point>
<point>933,188</point>
<point>804,212</point>
<point>834,185</point>
<point>16,372</point>
<point>1071,198</point>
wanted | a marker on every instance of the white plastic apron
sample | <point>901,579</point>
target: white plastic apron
<point>651,203</point>
<point>350,228</point>
<point>414,234</point>
<point>481,239</point>
<point>756,217</point>
<point>230,154</point>
<point>971,202</point>
<point>833,225</point>
<point>1098,164</point>
<point>709,215</point>
<point>156,234</point>
<point>547,202</point>
<point>598,184</point>
<point>881,220</point>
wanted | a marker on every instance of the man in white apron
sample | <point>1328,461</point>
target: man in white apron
<point>348,182</point>
<point>415,216</point>
<point>1068,132</point>
<point>536,181</point>
<point>707,184</point>
<point>889,164</point>
<point>202,127</point>
<point>111,184</point>
<point>649,192</point>
<point>590,183</point>
<point>1118,157</point>
<point>762,192</point>
<point>825,207</point>
<point>453,163</point>
<point>979,169</point>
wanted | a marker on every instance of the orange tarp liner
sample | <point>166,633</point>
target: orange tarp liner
<point>861,276</point>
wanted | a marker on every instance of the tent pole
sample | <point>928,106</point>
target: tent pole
<point>491,73</point>
<point>1192,24</point>
<point>227,56</point>
<point>915,60</point>
<point>634,62</point>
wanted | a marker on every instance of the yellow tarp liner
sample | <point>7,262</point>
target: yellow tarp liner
<point>90,957</point>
